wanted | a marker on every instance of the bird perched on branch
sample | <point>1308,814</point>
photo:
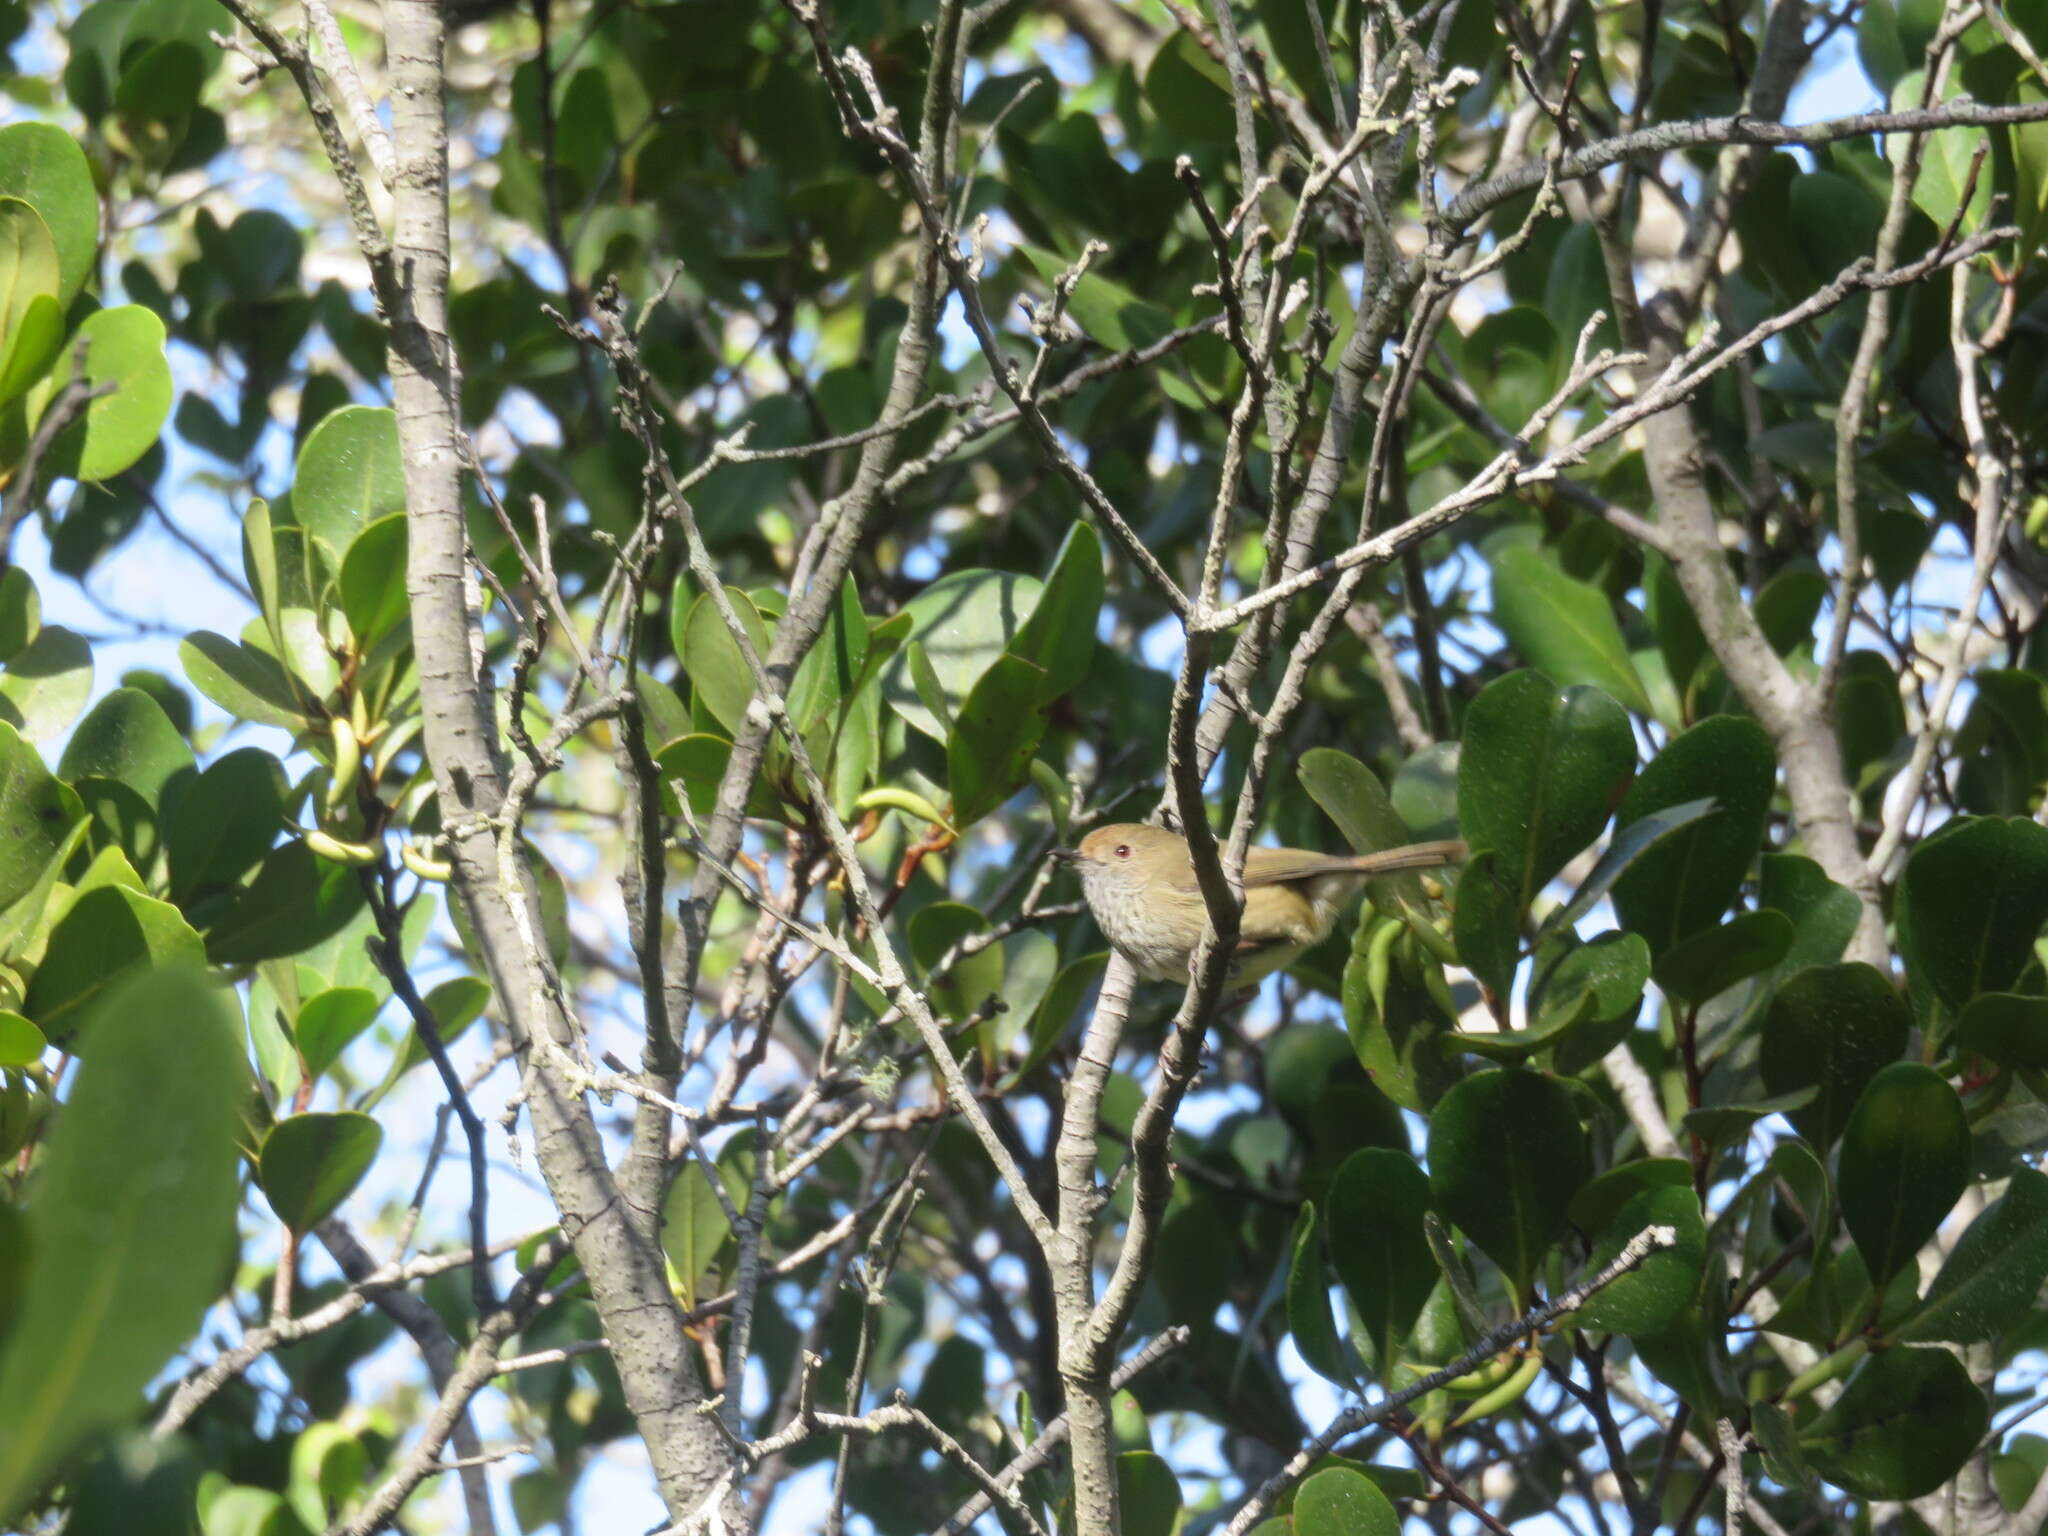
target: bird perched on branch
<point>1140,884</point>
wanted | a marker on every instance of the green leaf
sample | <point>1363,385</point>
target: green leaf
<point>1377,1245</point>
<point>29,349</point>
<point>1719,1124</point>
<point>1945,157</point>
<point>1399,1014</point>
<point>224,821</point>
<point>1148,1494</point>
<point>127,1220</point>
<point>295,901</point>
<point>717,668</point>
<point>34,816</point>
<point>28,264</point>
<point>47,684</point>
<point>124,350</point>
<point>310,1163</point>
<point>1487,923</point>
<point>1425,791</point>
<point>1652,1297</point>
<point>1595,1207</point>
<point>108,934</point>
<point>21,612</point>
<point>372,582</point>
<point>1506,1156</point>
<point>1715,959</point>
<point>964,622</point>
<point>455,1004</point>
<point>246,682</point>
<point>833,665</point>
<point>1352,796</point>
<point>349,474</point>
<point>1308,1303</point>
<point>1060,634</point>
<point>2009,1028</point>
<point>1626,846</point>
<point>1990,1279</point>
<point>44,166</point>
<point>1539,774</point>
<point>693,1230</point>
<point>1905,1161</point>
<point>977,978</point>
<point>1340,1502</point>
<point>1600,981</point>
<point>1824,915</point>
<point>1062,1001</point>
<point>1905,1422</point>
<point>1972,901</point>
<point>328,1021</point>
<point>994,735</point>
<point>1831,1028</point>
<point>1563,626</point>
<point>21,1043</point>
<point>128,738</point>
<point>1688,879</point>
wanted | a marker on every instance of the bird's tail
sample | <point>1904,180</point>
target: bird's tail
<point>1449,850</point>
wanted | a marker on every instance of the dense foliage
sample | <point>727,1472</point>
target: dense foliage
<point>725,491</point>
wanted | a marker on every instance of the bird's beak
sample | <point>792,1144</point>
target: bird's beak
<point>1066,855</point>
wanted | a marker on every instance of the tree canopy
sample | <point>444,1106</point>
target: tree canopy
<point>543,997</point>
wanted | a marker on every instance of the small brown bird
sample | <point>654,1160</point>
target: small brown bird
<point>1140,884</point>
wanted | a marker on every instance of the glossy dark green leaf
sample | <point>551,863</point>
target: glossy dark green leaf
<point>1538,775</point>
<point>976,979</point>
<point>1719,1124</point>
<point>694,1230</point>
<point>44,687</point>
<point>1992,1276</point>
<point>1824,914</point>
<point>242,680</point>
<point>2009,1028</point>
<point>1399,1015</point>
<point>128,738</point>
<point>1715,959</point>
<point>720,678</point>
<point>1377,1244</point>
<point>1563,626</point>
<point>108,935</point>
<point>312,1162</point>
<point>1340,1502</point>
<point>1506,1156</point>
<point>35,816</point>
<point>963,622</point>
<point>127,1220</point>
<point>1308,1302</point>
<point>224,821</point>
<point>993,738</point>
<point>21,612</point>
<point>1831,1028</point>
<point>1060,634</point>
<point>1906,1420</point>
<point>1972,901</point>
<point>372,581</point>
<point>1425,791</point>
<point>1595,1206</point>
<point>1487,922</point>
<point>295,901</point>
<point>1611,969</point>
<point>832,667</point>
<point>1905,1161</point>
<point>1650,1298</point>
<point>328,1021</point>
<point>1148,1494</point>
<point>1689,878</point>
<point>349,474</point>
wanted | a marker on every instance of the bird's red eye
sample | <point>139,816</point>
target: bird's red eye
<point>1123,850</point>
